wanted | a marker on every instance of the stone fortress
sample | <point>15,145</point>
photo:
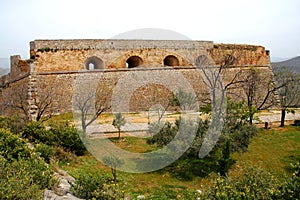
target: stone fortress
<point>54,65</point>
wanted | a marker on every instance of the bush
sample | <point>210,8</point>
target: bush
<point>67,136</point>
<point>23,174</point>
<point>25,178</point>
<point>36,132</point>
<point>290,188</point>
<point>297,122</point>
<point>14,124</point>
<point>45,151</point>
<point>254,184</point>
<point>89,186</point>
<point>61,134</point>
<point>241,137</point>
<point>12,147</point>
<point>164,134</point>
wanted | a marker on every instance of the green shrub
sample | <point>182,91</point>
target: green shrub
<point>297,122</point>
<point>60,134</point>
<point>11,123</point>
<point>94,185</point>
<point>23,174</point>
<point>45,151</point>
<point>67,136</point>
<point>167,192</point>
<point>12,147</point>
<point>241,137</point>
<point>254,184</point>
<point>25,178</point>
<point>163,133</point>
<point>290,189</point>
<point>36,132</point>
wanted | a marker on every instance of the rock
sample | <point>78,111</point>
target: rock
<point>141,197</point>
<point>63,187</point>
<point>199,191</point>
<point>62,191</point>
<point>50,195</point>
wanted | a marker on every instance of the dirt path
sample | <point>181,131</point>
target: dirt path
<point>137,126</point>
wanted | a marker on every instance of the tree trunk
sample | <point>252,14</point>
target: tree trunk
<point>283,112</point>
<point>119,134</point>
<point>225,160</point>
<point>114,173</point>
<point>251,119</point>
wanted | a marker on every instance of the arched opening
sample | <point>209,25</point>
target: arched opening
<point>94,63</point>
<point>134,61</point>
<point>91,66</point>
<point>171,61</point>
<point>202,61</point>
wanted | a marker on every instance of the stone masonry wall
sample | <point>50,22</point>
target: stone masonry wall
<point>132,90</point>
<point>56,66</point>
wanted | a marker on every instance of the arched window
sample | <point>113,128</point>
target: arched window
<point>94,63</point>
<point>171,61</point>
<point>202,61</point>
<point>134,61</point>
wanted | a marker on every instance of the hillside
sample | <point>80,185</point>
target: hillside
<point>3,71</point>
<point>293,63</point>
<point>4,66</point>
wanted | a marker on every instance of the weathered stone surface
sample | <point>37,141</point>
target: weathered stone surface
<point>57,68</point>
<point>50,195</point>
<point>62,190</point>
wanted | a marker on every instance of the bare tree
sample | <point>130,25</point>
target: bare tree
<point>262,91</point>
<point>32,102</point>
<point>90,103</point>
<point>213,78</point>
<point>43,99</point>
<point>288,85</point>
<point>17,103</point>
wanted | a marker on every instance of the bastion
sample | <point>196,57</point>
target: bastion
<point>51,74</point>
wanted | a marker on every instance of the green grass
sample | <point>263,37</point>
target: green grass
<point>272,150</point>
<point>60,118</point>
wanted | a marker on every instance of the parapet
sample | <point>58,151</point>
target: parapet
<point>117,44</point>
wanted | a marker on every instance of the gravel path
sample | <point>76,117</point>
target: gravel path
<point>276,117</point>
<point>141,128</point>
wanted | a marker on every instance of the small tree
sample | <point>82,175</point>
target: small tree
<point>114,163</point>
<point>118,122</point>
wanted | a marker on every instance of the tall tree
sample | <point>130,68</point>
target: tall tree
<point>288,84</point>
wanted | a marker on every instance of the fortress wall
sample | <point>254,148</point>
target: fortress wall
<point>13,95</point>
<point>65,60</point>
<point>246,55</point>
<point>118,44</point>
<point>141,89</point>
<point>65,55</point>
<point>57,65</point>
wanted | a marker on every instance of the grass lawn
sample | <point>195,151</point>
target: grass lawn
<point>272,150</point>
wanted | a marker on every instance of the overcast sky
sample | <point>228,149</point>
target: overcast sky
<point>274,24</point>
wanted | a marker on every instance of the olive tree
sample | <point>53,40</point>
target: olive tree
<point>118,122</point>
